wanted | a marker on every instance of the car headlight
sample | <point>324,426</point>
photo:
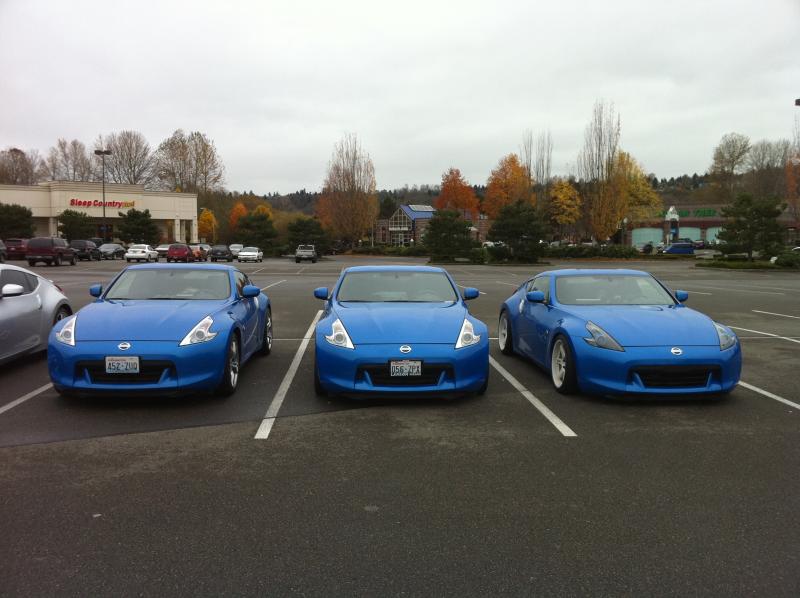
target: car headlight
<point>467,336</point>
<point>200,333</point>
<point>601,338</point>
<point>67,333</point>
<point>726,337</point>
<point>339,336</point>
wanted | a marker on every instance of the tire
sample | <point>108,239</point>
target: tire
<point>56,260</point>
<point>313,261</point>
<point>562,367</point>
<point>266,345</point>
<point>31,263</point>
<point>73,261</point>
<point>296,261</point>
<point>63,312</point>
<point>230,377</point>
<point>505,340</point>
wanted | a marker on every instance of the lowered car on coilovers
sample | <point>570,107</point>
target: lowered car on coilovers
<point>399,331</point>
<point>618,332</point>
<point>162,329</point>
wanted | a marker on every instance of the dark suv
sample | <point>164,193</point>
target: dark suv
<point>85,250</point>
<point>221,252</point>
<point>50,250</point>
<point>15,248</point>
<point>2,252</point>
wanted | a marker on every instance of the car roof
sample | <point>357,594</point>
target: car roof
<point>393,269</point>
<point>596,271</point>
<point>181,267</point>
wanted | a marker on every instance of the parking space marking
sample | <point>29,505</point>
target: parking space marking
<point>272,285</point>
<point>699,293</point>
<point>551,417</point>
<point>506,283</point>
<point>738,290</point>
<point>300,271</point>
<point>772,313</point>
<point>272,412</point>
<point>786,338</point>
<point>463,287</point>
<point>768,394</point>
<point>257,271</point>
<point>24,398</point>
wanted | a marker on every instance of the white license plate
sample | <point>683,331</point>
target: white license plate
<point>406,367</point>
<point>122,365</point>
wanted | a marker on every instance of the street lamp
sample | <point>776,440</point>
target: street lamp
<point>103,153</point>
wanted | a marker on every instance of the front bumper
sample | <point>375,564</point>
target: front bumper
<point>167,368</point>
<point>655,370</point>
<point>351,371</point>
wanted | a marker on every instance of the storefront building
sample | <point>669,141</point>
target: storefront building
<point>175,214</point>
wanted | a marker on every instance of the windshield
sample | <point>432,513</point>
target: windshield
<point>615,289</point>
<point>219,248</point>
<point>171,284</point>
<point>397,286</point>
<point>250,250</point>
<point>138,247</point>
<point>109,246</point>
<point>305,247</point>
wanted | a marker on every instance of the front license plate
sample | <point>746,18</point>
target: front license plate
<point>406,367</point>
<point>122,365</point>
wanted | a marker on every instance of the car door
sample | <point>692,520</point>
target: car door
<point>535,320</point>
<point>20,317</point>
<point>247,314</point>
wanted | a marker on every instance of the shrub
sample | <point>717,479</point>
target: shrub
<point>478,255</point>
<point>789,260</point>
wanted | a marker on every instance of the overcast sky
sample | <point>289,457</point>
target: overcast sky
<point>425,85</point>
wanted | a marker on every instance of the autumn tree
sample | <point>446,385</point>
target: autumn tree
<point>18,167</point>
<point>237,212</point>
<point>457,194</point>
<point>207,225</point>
<point>189,163</point>
<point>349,205</point>
<point>507,185</point>
<point>636,198</point>
<point>729,161</point>
<point>68,161</point>
<point>565,204</point>
<point>131,161</point>
<point>263,209</point>
<point>765,164</point>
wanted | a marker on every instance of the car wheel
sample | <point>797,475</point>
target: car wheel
<point>504,337</point>
<point>266,346</point>
<point>73,261</point>
<point>128,261</point>
<point>31,263</point>
<point>230,376</point>
<point>562,367</point>
<point>56,260</point>
<point>63,312</point>
<point>318,388</point>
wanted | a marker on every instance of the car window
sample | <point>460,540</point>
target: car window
<point>396,286</point>
<point>615,289</point>
<point>9,276</point>
<point>241,282</point>
<point>540,283</point>
<point>170,284</point>
<point>39,243</point>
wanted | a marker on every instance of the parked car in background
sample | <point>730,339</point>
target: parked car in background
<point>680,249</point>
<point>96,240</point>
<point>162,250</point>
<point>699,244</point>
<point>53,251</point>
<point>235,248</point>
<point>29,306</point>
<point>250,254</point>
<point>16,248</point>
<point>221,252</point>
<point>112,251</point>
<point>180,252</point>
<point>200,255</point>
<point>162,329</point>
<point>3,253</point>
<point>305,252</point>
<point>141,253</point>
<point>85,250</point>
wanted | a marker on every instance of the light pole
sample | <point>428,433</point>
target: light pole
<point>103,153</point>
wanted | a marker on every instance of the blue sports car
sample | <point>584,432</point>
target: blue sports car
<point>399,331</point>
<point>618,332</point>
<point>162,329</point>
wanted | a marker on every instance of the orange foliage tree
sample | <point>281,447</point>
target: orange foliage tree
<point>237,211</point>
<point>508,184</point>
<point>457,194</point>
<point>207,225</point>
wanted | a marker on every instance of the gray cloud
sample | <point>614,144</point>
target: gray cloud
<point>426,85</point>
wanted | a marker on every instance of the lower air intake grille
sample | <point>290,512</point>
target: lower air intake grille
<point>676,376</point>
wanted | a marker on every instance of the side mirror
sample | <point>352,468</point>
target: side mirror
<point>250,290</point>
<point>96,290</point>
<point>535,296</point>
<point>321,293</point>
<point>12,290</point>
<point>470,293</point>
<point>681,296</point>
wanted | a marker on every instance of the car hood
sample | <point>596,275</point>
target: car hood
<point>651,325</point>
<point>141,320</point>
<point>376,323</point>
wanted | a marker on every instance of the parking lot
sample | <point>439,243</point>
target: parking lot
<point>521,491</point>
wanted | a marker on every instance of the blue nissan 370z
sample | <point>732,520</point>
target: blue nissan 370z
<point>162,329</point>
<point>618,332</point>
<point>399,331</point>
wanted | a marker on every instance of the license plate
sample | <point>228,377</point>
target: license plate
<point>122,365</point>
<point>406,367</point>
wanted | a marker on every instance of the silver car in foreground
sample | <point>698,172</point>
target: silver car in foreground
<point>29,306</point>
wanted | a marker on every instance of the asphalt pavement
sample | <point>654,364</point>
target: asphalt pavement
<point>476,496</point>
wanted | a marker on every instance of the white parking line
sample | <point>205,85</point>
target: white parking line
<point>463,287</point>
<point>301,269</point>
<point>698,293</point>
<point>24,398</point>
<point>772,313</point>
<point>257,271</point>
<point>737,290</point>
<point>551,417</point>
<point>766,393</point>
<point>272,285</point>
<point>506,283</point>
<point>272,412</point>
<point>786,338</point>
